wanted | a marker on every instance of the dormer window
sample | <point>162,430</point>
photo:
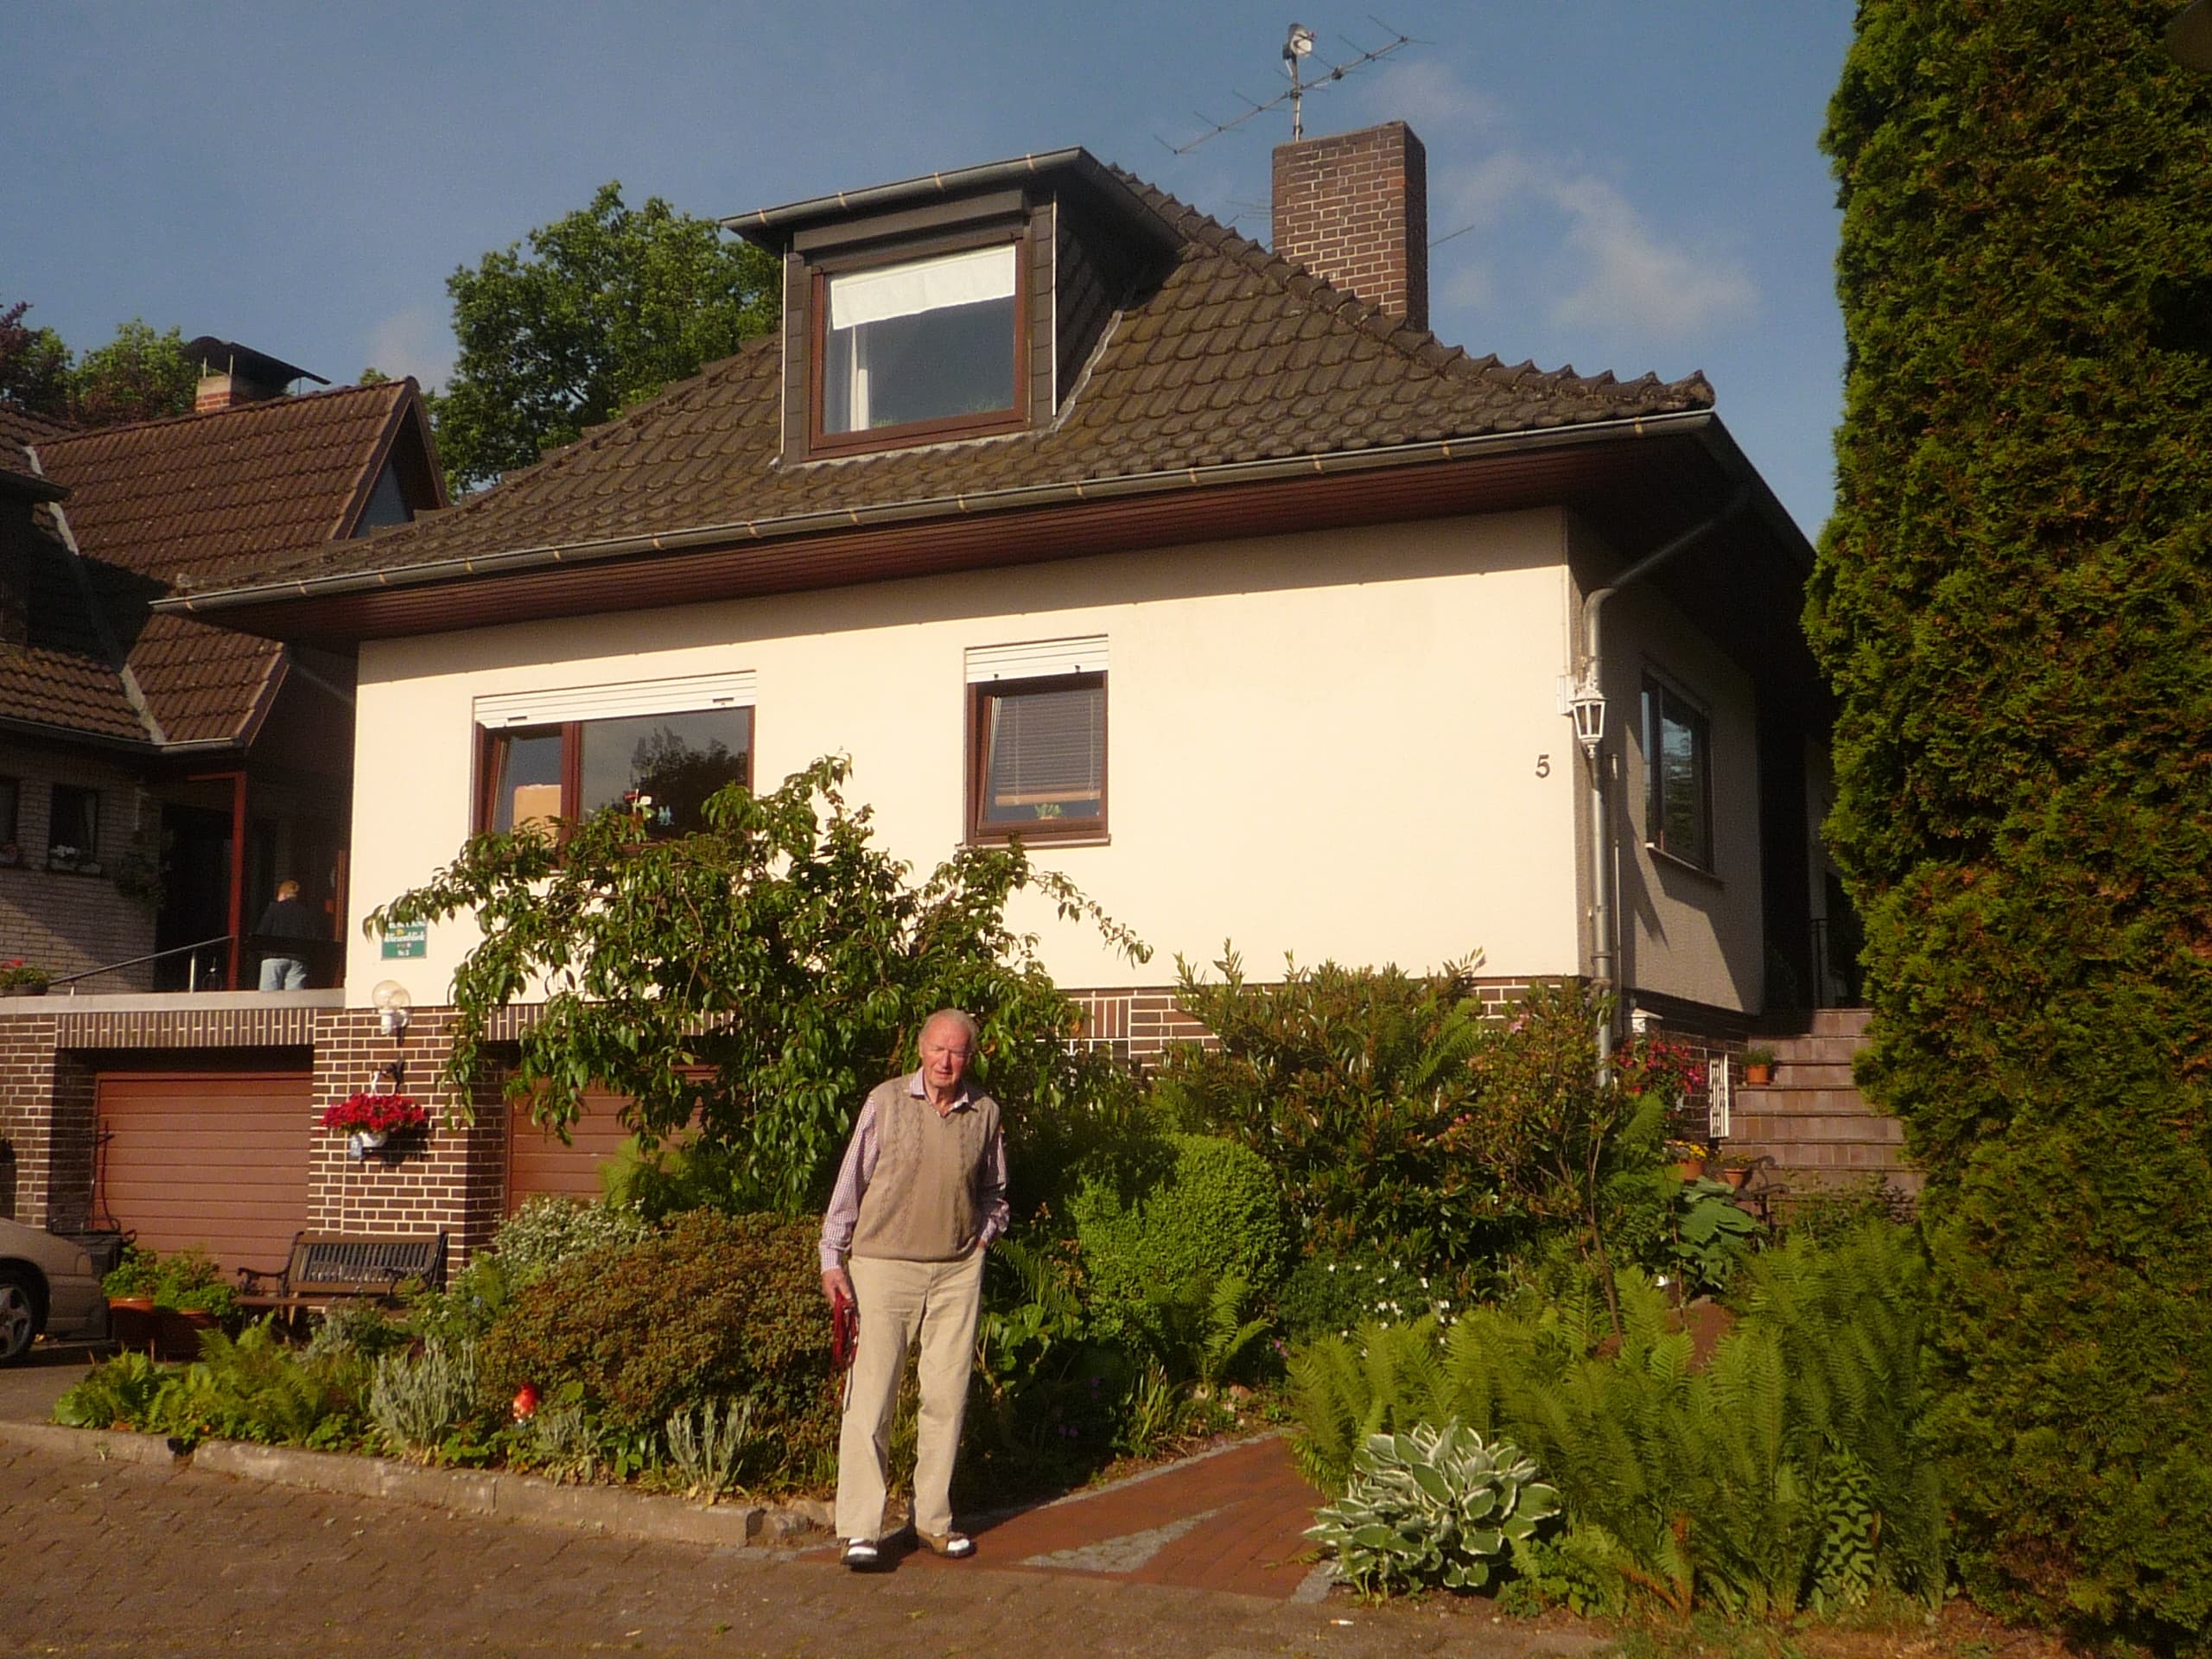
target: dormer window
<point>920,341</point>
<point>919,348</point>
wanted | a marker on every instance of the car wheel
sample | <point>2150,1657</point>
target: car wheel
<point>18,1315</point>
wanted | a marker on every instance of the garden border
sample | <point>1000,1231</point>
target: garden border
<point>527,1499</point>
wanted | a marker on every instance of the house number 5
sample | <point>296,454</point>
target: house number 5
<point>1543,766</point>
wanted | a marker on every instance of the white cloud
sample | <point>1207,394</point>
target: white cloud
<point>1633,279</point>
<point>416,341</point>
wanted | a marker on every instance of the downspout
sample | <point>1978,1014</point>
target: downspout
<point>1589,695</point>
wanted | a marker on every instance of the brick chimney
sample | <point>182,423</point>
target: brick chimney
<point>1353,209</point>
<point>232,374</point>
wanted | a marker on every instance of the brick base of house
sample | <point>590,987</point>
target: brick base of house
<point>452,1176</point>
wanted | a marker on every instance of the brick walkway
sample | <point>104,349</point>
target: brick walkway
<point>1228,1521</point>
<point>101,1559</point>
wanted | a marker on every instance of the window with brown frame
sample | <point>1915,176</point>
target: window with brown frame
<point>1678,768</point>
<point>667,765</point>
<point>918,348</point>
<point>1037,758</point>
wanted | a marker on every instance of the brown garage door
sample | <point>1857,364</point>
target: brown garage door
<point>215,1158</point>
<point>538,1162</point>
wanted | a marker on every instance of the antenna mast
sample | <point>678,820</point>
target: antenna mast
<point>1296,46</point>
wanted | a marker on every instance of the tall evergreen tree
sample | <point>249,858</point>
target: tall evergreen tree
<point>2011,601</point>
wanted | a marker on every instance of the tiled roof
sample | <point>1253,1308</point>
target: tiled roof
<point>196,498</point>
<point>1238,356</point>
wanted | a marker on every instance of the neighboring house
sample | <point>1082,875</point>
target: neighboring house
<point>1068,513</point>
<point>137,749</point>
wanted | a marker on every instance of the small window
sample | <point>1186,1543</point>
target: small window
<point>387,503</point>
<point>1678,762</point>
<point>72,830</point>
<point>919,347</point>
<point>11,795</point>
<point>1037,758</point>
<point>666,764</point>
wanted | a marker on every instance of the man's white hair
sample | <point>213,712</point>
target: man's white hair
<point>961,1017</point>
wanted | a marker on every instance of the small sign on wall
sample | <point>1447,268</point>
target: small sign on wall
<point>407,940</point>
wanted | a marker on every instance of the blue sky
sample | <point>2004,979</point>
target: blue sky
<point>1637,181</point>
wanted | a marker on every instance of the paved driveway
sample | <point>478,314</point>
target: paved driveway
<point>115,1558</point>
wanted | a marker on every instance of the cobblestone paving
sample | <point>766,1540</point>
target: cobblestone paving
<point>115,1558</point>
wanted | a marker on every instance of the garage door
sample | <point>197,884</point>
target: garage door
<point>538,1162</point>
<point>215,1158</point>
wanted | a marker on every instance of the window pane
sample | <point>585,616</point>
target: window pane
<point>526,778</point>
<point>10,798</point>
<point>678,759</point>
<point>1682,827</point>
<point>1044,755</point>
<point>73,830</point>
<point>919,341</point>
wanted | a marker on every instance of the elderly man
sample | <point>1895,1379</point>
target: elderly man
<point>921,1192</point>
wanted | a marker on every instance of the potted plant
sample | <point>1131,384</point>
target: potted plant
<point>1758,1064</point>
<point>1689,1157</point>
<point>19,978</point>
<point>128,1287</point>
<point>368,1117</point>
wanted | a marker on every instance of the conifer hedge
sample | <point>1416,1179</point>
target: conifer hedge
<point>2012,603</point>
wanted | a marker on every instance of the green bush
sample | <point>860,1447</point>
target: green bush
<point>548,1230</point>
<point>188,1279</point>
<point>1786,1473</point>
<point>1329,1293</point>
<point>2011,606</point>
<point>715,1307</point>
<point>253,1388</point>
<point>1350,1082</point>
<point>1433,1506</point>
<point>1173,1218</point>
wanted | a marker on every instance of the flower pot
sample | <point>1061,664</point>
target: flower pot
<point>176,1332</point>
<point>1689,1169</point>
<point>131,1321</point>
<point>1735,1176</point>
<point>362,1142</point>
<point>1757,1076</point>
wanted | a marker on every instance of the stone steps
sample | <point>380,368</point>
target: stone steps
<point>1811,1119</point>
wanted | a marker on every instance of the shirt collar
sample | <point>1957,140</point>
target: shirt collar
<point>967,1090</point>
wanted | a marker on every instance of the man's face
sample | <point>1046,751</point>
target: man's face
<point>945,1053</point>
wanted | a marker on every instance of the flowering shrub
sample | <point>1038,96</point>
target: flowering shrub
<point>366,1112</point>
<point>16,973</point>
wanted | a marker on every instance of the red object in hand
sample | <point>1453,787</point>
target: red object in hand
<point>526,1402</point>
<point>844,1333</point>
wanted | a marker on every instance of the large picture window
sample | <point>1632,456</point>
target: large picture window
<point>921,345</point>
<point>1037,742</point>
<point>1678,764</point>
<point>665,764</point>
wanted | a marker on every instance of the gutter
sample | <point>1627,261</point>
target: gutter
<point>1324,464</point>
<point>979,177</point>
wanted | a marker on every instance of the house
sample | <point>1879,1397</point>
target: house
<point>139,749</point>
<point>1069,513</point>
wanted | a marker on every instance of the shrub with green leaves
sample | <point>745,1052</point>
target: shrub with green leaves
<point>1788,1472</point>
<point>1168,1220</point>
<point>1434,1505</point>
<point>548,1230</point>
<point>715,1307</point>
<point>1333,1294</point>
<point>420,1401</point>
<point>2010,605</point>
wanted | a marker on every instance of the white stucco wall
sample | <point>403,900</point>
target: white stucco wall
<point>1325,743</point>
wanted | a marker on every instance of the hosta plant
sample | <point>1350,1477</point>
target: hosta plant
<point>1432,1506</point>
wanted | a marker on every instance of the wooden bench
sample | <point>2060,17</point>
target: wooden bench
<point>328,1267</point>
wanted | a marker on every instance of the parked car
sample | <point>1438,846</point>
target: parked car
<point>47,1283</point>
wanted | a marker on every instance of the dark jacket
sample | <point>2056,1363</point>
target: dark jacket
<point>287,919</point>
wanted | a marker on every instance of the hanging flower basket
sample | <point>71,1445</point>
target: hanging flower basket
<point>367,1112</point>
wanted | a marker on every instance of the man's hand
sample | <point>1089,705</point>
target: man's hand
<point>837,1285</point>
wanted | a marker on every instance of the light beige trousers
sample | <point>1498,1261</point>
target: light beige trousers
<point>939,1300</point>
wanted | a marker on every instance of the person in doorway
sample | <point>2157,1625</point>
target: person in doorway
<point>921,1194</point>
<point>285,919</point>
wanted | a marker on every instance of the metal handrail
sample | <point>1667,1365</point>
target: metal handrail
<point>193,981</point>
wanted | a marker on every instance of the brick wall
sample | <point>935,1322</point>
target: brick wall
<point>1353,209</point>
<point>448,1176</point>
<point>61,921</point>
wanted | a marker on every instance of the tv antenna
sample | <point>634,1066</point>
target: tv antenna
<point>1297,47</point>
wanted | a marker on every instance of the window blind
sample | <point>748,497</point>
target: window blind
<point>906,290</point>
<point>1038,659</point>
<point>1047,748</point>
<point>735,689</point>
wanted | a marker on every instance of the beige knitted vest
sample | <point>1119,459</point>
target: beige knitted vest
<point>920,1204</point>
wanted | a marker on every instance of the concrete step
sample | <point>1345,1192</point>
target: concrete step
<point>1814,1128</point>
<point>1782,1097</point>
<point>1841,1022</point>
<point>1816,1050</point>
<point>1809,1074</point>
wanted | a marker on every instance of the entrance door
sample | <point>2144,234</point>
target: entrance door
<point>213,1158</point>
<point>196,895</point>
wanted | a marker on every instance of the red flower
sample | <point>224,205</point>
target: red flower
<point>367,1112</point>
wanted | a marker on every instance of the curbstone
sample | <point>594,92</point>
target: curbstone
<point>104,1445</point>
<point>529,1499</point>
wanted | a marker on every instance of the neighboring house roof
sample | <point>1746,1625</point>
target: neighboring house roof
<point>158,505</point>
<point>1238,356</point>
